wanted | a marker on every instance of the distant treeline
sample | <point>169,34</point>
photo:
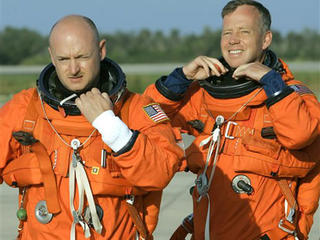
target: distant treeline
<point>25,46</point>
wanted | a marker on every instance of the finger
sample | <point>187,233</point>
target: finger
<point>95,91</point>
<point>105,96</point>
<point>212,65</point>
<point>78,103</point>
<point>217,67</point>
<point>239,72</point>
<point>202,63</point>
<point>82,97</point>
<point>222,67</point>
<point>89,94</point>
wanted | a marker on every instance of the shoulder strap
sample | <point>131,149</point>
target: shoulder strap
<point>31,116</point>
<point>48,177</point>
<point>288,224</point>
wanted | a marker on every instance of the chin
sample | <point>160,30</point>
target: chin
<point>236,63</point>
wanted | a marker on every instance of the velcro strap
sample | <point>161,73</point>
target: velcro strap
<point>48,177</point>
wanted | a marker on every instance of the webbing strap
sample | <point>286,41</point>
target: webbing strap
<point>207,227</point>
<point>48,177</point>
<point>49,180</point>
<point>77,172</point>
<point>287,193</point>
<point>184,229</point>
<point>31,116</point>
<point>137,220</point>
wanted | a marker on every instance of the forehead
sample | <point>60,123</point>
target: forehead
<point>243,16</point>
<point>72,34</point>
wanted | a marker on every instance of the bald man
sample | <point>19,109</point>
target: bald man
<point>89,157</point>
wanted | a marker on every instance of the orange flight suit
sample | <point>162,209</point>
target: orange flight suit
<point>293,155</point>
<point>144,170</point>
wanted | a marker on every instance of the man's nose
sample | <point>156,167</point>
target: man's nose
<point>234,38</point>
<point>74,66</point>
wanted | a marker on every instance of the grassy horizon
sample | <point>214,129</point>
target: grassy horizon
<point>11,84</point>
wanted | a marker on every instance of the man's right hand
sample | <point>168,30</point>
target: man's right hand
<point>93,103</point>
<point>203,67</point>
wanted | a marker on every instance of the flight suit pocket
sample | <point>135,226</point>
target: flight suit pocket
<point>269,158</point>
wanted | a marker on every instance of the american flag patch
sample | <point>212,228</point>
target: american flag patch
<point>155,112</point>
<point>301,89</point>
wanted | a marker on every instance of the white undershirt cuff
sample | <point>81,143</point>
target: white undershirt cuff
<point>114,132</point>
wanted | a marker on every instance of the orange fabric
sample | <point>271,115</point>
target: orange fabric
<point>147,168</point>
<point>48,178</point>
<point>137,220</point>
<point>295,120</point>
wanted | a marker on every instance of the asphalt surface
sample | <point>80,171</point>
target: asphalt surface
<point>175,206</point>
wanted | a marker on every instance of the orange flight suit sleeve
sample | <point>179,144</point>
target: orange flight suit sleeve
<point>11,117</point>
<point>154,157</point>
<point>296,120</point>
<point>179,112</point>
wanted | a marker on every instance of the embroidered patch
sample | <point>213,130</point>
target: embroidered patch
<point>155,112</point>
<point>301,89</point>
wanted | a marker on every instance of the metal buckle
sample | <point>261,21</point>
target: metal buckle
<point>226,135</point>
<point>281,222</point>
<point>130,199</point>
<point>291,215</point>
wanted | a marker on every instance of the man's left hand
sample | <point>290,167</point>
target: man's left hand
<point>93,103</point>
<point>253,71</point>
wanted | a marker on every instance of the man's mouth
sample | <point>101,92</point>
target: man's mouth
<point>235,52</point>
<point>75,78</point>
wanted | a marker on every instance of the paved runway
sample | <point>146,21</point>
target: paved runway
<point>175,206</point>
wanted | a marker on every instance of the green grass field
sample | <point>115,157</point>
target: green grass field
<point>10,84</point>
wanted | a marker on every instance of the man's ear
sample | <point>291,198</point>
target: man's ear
<point>102,49</point>
<point>51,56</point>
<point>267,40</point>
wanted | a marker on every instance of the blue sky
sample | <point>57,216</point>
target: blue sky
<point>189,16</point>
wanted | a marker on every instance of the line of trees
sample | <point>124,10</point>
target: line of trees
<point>25,46</point>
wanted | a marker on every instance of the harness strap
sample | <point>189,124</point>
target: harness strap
<point>49,181</point>
<point>184,229</point>
<point>137,220</point>
<point>76,171</point>
<point>287,225</point>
